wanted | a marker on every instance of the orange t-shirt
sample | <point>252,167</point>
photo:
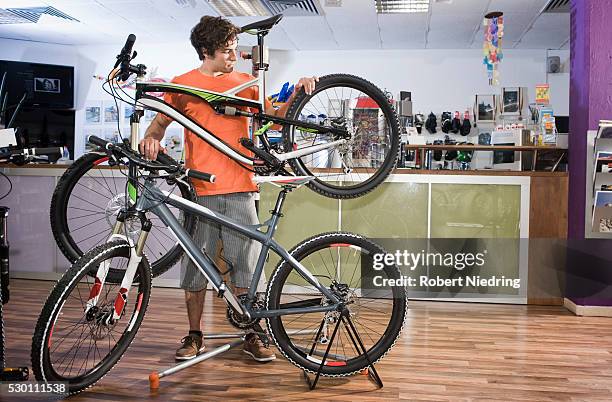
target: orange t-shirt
<point>199,155</point>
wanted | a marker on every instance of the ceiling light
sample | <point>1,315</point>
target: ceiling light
<point>239,8</point>
<point>31,15</point>
<point>401,6</point>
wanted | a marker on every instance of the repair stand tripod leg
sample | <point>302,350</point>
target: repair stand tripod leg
<point>313,384</point>
<point>351,330</point>
<point>357,344</point>
<point>154,377</point>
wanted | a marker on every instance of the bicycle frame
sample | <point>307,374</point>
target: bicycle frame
<point>216,99</point>
<point>154,200</point>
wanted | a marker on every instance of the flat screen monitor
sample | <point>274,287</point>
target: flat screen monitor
<point>44,85</point>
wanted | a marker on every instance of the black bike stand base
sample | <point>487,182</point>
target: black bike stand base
<point>345,319</point>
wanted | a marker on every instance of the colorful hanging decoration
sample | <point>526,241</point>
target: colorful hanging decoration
<point>493,34</point>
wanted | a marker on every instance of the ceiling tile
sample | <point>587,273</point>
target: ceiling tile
<point>459,7</point>
<point>517,6</point>
<point>309,33</point>
<point>460,22</point>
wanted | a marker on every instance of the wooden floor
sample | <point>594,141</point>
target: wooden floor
<point>448,351</point>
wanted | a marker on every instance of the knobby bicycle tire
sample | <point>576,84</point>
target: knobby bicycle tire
<point>299,165</point>
<point>59,215</point>
<point>279,330</point>
<point>46,326</point>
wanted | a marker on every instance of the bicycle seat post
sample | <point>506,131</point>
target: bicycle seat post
<point>260,59</point>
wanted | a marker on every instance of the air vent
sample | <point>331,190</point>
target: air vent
<point>31,15</point>
<point>307,7</point>
<point>557,6</point>
<point>401,6</point>
<point>7,17</point>
<point>186,3</point>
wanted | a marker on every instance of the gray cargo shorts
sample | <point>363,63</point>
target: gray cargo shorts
<point>241,251</point>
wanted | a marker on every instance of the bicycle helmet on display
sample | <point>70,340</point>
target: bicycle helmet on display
<point>418,122</point>
<point>466,126</point>
<point>431,123</point>
<point>455,123</point>
<point>484,139</point>
<point>437,154</point>
<point>465,156</point>
<point>446,122</point>
<point>450,155</point>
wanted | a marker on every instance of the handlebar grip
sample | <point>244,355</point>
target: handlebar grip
<point>194,174</point>
<point>129,43</point>
<point>98,141</point>
<point>166,159</point>
<point>127,50</point>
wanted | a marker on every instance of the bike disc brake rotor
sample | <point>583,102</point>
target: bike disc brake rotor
<point>114,205</point>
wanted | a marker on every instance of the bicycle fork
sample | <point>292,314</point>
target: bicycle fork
<point>130,272</point>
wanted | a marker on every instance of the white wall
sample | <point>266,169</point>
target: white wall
<point>439,80</point>
<point>560,83</point>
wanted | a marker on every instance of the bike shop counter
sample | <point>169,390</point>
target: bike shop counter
<point>529,207</point>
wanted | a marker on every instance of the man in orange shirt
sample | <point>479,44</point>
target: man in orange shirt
<point>233,193</point>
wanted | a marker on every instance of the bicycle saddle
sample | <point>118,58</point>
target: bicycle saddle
<point>263,25</point>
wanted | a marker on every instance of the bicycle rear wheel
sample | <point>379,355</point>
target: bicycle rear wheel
<point>378,314</point>
<point>362,163</point>
<point>77,345</point>
<point>85,205</point>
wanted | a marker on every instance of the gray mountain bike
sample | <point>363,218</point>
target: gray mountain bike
<point>345,134</point>
<point>320,309</point>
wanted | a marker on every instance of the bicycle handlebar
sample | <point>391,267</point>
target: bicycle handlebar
<point>163,162</point>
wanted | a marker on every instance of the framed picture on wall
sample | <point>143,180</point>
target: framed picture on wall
<point>111,114</point>
<point>485,108</point>
<point>128,109</point>
<point>93,112</point>
<point>511,101</point>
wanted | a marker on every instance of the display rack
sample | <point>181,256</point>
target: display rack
<point>594,181</point>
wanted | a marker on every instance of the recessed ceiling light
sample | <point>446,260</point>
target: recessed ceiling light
<point>401,6</point>
<point>239,8</point>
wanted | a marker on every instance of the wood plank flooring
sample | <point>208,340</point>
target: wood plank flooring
<point>448,351</point>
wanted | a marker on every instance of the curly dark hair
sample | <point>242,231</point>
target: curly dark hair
<point>212,33</point>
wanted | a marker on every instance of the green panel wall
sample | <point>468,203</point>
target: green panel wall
<point>305,213</point>
<point>392,210</point>
<point>475,210</point>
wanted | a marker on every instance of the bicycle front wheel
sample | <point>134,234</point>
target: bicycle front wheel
<point>78,344</point>
<point>335,259</point>
<point>359,165</point>
<point>84,209</point>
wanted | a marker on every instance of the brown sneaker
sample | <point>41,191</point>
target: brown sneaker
<point>191,346</point>
<point>254,347</point>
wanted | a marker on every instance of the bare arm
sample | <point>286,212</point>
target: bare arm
<point>150,144</point>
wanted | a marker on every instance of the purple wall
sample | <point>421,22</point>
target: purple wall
<point>590,101</point>
<point>590,93</point>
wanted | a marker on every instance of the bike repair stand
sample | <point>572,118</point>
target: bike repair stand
<point>345,319</point>
<point>154,377</point>
<point>6,373</point>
